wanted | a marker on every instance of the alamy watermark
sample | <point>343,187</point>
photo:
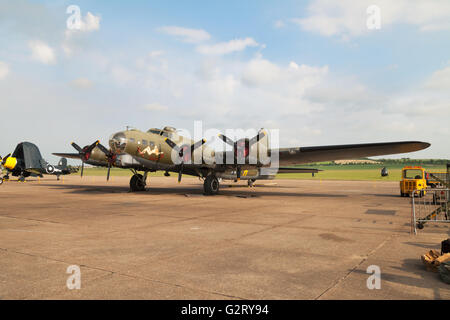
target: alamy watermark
<point>74,280</point>
<point>373,21</point>
<point>374,280</point>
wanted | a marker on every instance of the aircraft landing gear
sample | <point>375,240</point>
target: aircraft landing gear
<point>21,179</point>
<point>211,185</point>
<point>251,182</point>
<point>137,182</point>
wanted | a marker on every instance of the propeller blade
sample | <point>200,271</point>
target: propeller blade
<point>198,144</point>
<point>92,146</point>
<point>173,145</point>
<point>77,147</point>
<point>256,138</point>
<point>180,174</point>
<point>82,168</point>
<point>109,170</point>
<point>226,139</point>
<point>103,149</point>
<point>5,158</point>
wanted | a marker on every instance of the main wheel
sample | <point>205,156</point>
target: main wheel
<point>251,182</point>
<point>137,183</point>
<point>211,185</point>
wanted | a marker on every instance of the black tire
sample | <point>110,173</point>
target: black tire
<point>420,226</point>
<point>137,183</point>
<point>211,185</point>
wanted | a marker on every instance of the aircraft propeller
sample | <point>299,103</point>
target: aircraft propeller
<point>111,156</point>
<point>241,148</point>
<point>182,152</point>
<point>3,160</point>
<point>85,153</point>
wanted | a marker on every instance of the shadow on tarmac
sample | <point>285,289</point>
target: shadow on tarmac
<point>184,190</point>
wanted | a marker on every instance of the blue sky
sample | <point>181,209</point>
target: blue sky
<point>309,68</point>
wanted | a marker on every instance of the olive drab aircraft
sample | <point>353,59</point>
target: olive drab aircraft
<point>166,150</point>
<point>26,161</point>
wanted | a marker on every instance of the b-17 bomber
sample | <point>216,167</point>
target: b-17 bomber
<point>249,159</point>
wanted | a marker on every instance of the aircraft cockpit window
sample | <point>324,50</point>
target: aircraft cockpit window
<point>155,131</point>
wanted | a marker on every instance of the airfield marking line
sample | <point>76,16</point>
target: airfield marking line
<point>111,272</point>
<point>336,283</point>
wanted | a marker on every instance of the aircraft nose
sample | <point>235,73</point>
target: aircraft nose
<point>118,142</point>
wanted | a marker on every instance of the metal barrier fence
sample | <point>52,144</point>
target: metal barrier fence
<point>433,207</point>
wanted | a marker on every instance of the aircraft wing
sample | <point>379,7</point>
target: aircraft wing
<point>68,155</point>
<point>35,171</point>
<point>297,170</point>
<point>347,151</point>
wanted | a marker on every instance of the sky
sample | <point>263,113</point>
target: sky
<point>320,71</point>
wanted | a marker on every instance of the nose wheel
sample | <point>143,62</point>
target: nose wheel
<point>138,183</point>
<point>211,185</point>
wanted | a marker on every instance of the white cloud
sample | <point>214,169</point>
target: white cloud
<point>4,70</point>
<point>347,18</point>
<point>227,47</point>
<point>122,75</point>
<point>262,72</point>
<point>156,107</point>
<point>156,53</point>
<point>186,34</point>
<point>90,23</point>
<point>41,52</point>
<point>82,83</point>
<point>279,24</point>
<point>440,79</point>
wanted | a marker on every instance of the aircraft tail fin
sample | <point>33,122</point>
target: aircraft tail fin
<point>63,163</point>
